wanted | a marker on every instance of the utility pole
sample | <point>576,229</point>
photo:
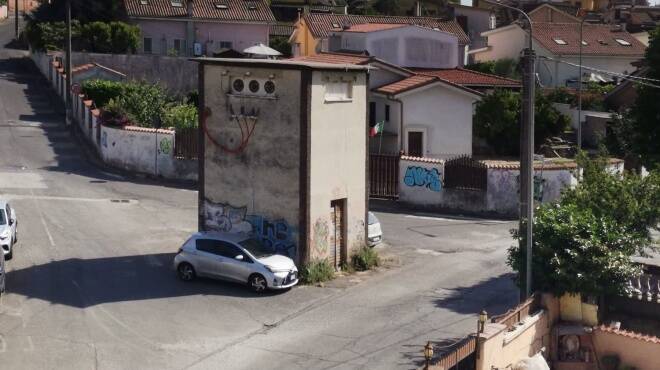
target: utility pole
<point>69,68</point>
<point>16,18</point>
<point>527,164</point>
<point>579,122</point>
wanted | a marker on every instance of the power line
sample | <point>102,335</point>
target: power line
<point>636,79</point>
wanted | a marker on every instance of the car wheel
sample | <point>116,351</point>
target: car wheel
<point>10,255</point>
<point>186,271</point>
<point>258,283</point>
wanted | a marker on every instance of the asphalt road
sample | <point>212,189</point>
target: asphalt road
<point>91,287</point>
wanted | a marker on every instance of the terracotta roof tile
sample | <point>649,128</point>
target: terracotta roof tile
<point>373,27</point>
<point>148,129</point>
<point>335,58</point>
<point>466,77</point>
<point>629,334</point>
<point>282,29</point>
<point>257,11</point>
<point>600,39</point>
<point>406,84</point>
<point>421,159</point>
<point>320,24</point>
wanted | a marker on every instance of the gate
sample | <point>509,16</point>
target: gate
<point>384,175</point>
<point>464,172</point>
<point>185,143</point>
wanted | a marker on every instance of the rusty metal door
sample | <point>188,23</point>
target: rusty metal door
<point>337,233</point>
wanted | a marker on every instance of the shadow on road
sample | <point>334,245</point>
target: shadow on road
<point>88,282</point>
<point>495,295</point>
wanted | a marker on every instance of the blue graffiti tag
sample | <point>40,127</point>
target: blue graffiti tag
<point>420,176</point>
<point>276,235</point>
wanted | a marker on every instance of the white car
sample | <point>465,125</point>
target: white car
<point>8,229</point>
<point>373,228</point>
<point>234,257</point>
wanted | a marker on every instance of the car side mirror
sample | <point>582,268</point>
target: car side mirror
<point>239,257</point>
<point>11,222</point>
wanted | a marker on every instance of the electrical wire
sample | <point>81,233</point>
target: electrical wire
<point>639,80</point>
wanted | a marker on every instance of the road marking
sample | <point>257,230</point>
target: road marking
<point>43,220</point>
<point>429,252</point>
<point>18,180</point>
<point>458,219</point>
<point>70,199</point>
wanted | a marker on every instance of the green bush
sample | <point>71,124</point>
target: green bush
<point>44,36</point>
<point>505,67</point>
<point>317,272</point>
<point>365,258</point>
<point>142,102</point>
<point>97,37</point>
<point>3,2</point>
<point>180,116</point>
<point>561,95</point>
<point>124,37</point>
<point>101,91</point>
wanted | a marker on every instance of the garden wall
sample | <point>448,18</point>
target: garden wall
<point>137,149</point>
<point>421,185</point>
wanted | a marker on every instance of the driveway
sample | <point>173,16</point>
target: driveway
<point>91,287</point>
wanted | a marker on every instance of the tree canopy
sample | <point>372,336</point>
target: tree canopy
<point>81,10</point>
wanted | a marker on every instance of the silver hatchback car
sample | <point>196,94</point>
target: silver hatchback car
<point>234,257</point>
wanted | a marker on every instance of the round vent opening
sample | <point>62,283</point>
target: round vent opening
<point>238,85</point>
<point>269,87</point>
<point>254,86</point>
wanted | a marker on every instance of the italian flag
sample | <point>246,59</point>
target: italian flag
<point>377,129</point>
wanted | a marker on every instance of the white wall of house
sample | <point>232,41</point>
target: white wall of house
<point>388,141</point>
<point>556,73</point>
<point>408,46</point>
<point>507,42</point>
<point>444,115</point>
<point>211,35</point>
<point>381,75</point>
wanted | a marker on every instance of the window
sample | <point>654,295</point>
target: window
<point>177,3</point>
<point>415,143</point>
<point>493,21</point>
<point>335,25</point>
<point>602,42</point>
<point>584,43</point>
<point>560,41</point>
<point>221,5</point>
<point>3,219</point>
<point>256,247</point>
<point>251,5</point>
<point>146,45</point>
<point>217,247</point>
<point>338,91</point>
<point>144,2</point>
<point>225,45</point>
<point>372,114</point>
<point>180,46</point>
<point>623,42</point>
<point>387,112</point>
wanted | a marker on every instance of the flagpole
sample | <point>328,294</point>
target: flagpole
<point>380,142</point>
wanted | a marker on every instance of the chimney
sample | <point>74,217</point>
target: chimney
<point>418,8</point>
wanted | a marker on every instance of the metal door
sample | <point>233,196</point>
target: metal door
<point>338,248</point>
<point>415,143</point>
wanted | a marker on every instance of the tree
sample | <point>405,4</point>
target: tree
<point>81,10</point>
<point>387,7</point>
<point>497,120</point>
<point>584,243</point>
<point>645,113</point>
<point>505,67</point>
<point>124,37</point>
<point>96,37</point>
<point>281,44</point>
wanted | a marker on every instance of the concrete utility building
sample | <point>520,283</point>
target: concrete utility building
<point>284,154</point>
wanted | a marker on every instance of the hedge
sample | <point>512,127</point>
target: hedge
<point>96,37</point>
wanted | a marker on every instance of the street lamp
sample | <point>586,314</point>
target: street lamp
<point>428,354</point>
<point>483,316</point>
<point>526,153</point>
<point>579,128</point>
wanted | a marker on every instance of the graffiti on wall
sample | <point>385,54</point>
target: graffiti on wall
<point>104,139</point>
<point>320,238</point>
<point>539,183</point>
<point>424,177</point>
<point>165,145</point>
<point>276,235</point>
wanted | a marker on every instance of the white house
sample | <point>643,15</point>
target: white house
<point>401,44</point>
<point>604,47</point>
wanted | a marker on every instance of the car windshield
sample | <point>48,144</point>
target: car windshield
<point>3,219</point>
<point>256,247</point>
<point>372,219</point>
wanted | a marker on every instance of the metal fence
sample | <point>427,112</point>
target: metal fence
<point>384,175</point>
<point>517,314</point>
<point>464,172</point>
<point>461,357</point>
<point>186,143</point>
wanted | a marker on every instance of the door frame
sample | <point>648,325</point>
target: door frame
<point>343,246</point>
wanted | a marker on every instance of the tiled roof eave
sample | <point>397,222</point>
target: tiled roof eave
<point>210,20</point>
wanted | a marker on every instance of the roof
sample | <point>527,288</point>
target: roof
<point>629,334</point>
<point>416,81</point>
<point>282,64</point>
<point>320,25</point>
<point>256,11</point>
<point>373,27</point>
<point>549,13</point>
<point>600,39</point>
<point>335,58</point>
<point>466,77</point>
<point>281,29</point>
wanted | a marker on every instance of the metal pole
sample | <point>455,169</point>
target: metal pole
<point>579,128</point>
<point>527,165</point>
<point>69,68</point>
<point>16,18</point>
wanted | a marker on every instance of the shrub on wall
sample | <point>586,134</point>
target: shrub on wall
<point>124,37</point>
<point>98,37</point>
<point>180,116</point>
<point>101,91</point>
<point>95,37</point>
<point>142,102</point>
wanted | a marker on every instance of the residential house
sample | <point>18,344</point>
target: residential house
<point>635,18</point>
<point>284,154</point>
<point>200,27</point>
<point>24,6</point>
<point>546,13</point>
<point>473,21</point>
<point>604,49</point>
<point>291,10</point>
<point>314,29</point>
<point>623,96</point>
<point>425,111</point>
